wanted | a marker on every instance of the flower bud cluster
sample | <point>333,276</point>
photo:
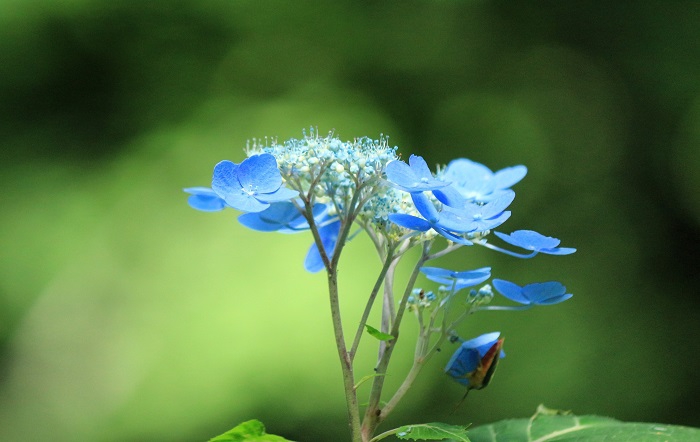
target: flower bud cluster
<point>419,298</point>
<point>333,169</point>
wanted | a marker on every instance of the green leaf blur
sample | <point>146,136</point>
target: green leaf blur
<point>431,431</point>
<point>127,316</point>
<point>250,431</point>
<point>580,428</point>
<point>377,334</point>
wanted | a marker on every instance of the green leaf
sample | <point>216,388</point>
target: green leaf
<point>367,378</point>
<point>250,431</point>
<point>558,426</point>
<point>377,334</point>
<point>431,431</point>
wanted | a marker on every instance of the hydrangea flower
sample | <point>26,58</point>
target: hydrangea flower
<point>452,222</point>
<point>539,293</point>
<point>474,362</point>
<point>474,181</point>
<point>538,243</point>
<point>252,185</point>
<point>324,185</point>
<point>414,176</point>
<point>460,280</point>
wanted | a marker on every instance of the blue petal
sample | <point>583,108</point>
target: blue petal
<point>489,224</point>
<point>498,205</point>
<point>204,199</point>
<point>529,240</point>
<point>281,194</point>
<point>463,362</point>
<point>452,236</point>
<point>329,236</point>
<point>400,174</point>
<point>450,196</point>
<point>463,283</point>
<point>299,223</point>
<point>473,273</point>
<point>505,178</point>
<point>510,290</point>
<point>244,202</point>
<point>409,222</point>
<point>460,279</point>
<point>455,220</point>
<point>559,251</point>
<point>482,343</point>
<point>260,174</point>
<point>225,179</point>
<point>542,292</point>
<point>556,300</point>
<point>436,272</point>
<point>420,167</point>
<point>413,178</point>
<point>275,217</point>
<point>473,180</point>
<point>425,207</point>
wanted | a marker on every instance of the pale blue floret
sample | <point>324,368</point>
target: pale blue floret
<point>531,240</point>
<point>252,185</point>
<point>452,222</point>
<point>476,182</point>
<point>539,293</point>
<point>414,176</point>
<point>457,280</point>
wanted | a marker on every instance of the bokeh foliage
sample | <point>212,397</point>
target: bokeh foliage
<point>125,315</point>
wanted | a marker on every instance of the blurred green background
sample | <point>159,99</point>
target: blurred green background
<point>127,316</point>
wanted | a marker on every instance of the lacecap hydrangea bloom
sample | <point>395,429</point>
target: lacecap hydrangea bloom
<point>336,189</point>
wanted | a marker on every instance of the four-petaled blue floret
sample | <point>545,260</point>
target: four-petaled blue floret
<point>457,280</point>
<point>252,185</point>
<point>531,240</point>
<point>476,182</point>
<point>414,176</point>
<point>538,293</point>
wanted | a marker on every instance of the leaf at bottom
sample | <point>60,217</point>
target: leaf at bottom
<point>249,431</point>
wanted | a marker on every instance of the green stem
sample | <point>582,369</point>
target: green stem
<point>345,359</point>
<point>331,264</point>
<point>374,415</point>
<point>370,302</point>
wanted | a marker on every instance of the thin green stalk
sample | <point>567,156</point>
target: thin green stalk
<point>374,414</point>
<point>345,360</point>
<point>343,355</point>
<point>370,302</point>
